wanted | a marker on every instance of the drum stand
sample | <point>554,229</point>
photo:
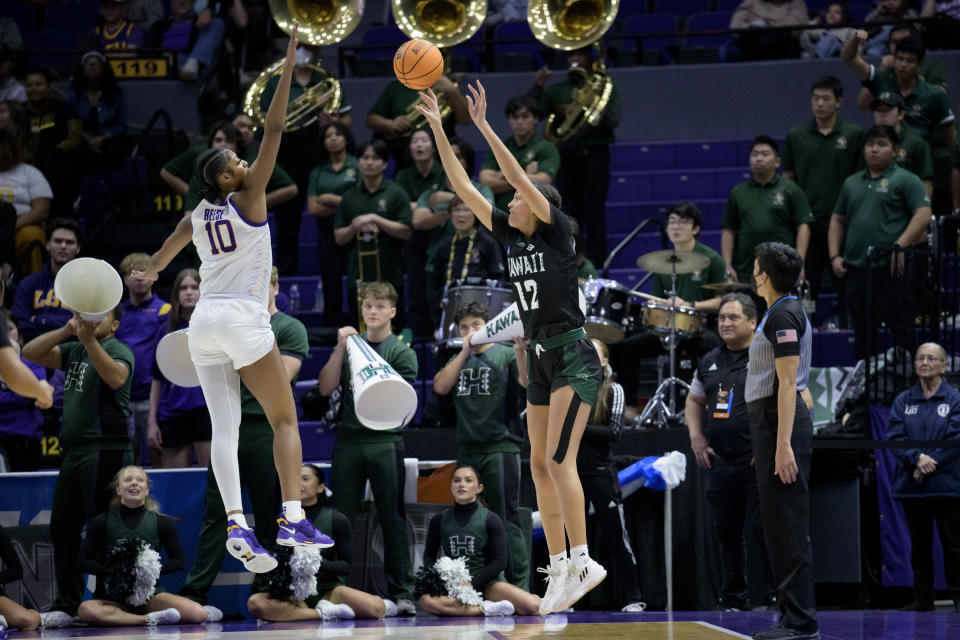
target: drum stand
<point>660,410</point>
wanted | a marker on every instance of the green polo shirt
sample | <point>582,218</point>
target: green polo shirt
<point>690,285</point>
<point>326,179</point>
<point>822,162</point>
<point>391,202</point>
<point>536,148</point>
<point>927,109</point>
<point>292,341</point>
<point>913,154</point>
<point>394,100</point>
<point>877,210</point>
<point>762,213</point>
<point>415,183</point>
<point>933,72</point>
<point>561,93</point>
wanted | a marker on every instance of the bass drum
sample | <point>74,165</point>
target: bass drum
<point>656,316</point>
<point>493,296</point>
<point>607,317</point>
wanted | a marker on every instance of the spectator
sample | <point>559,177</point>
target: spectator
<point>246,126</point>
<point>758,15</point>
<point>20,418</point>
<point>133,515</point>
<point>927,480</point>
<point>179,424</point>
<point>35,304</point>
<point>765,207</point>
<point>24,186</point>
<point>10,37</point>
<point>100,105</point>
<point>913,152</point>
<point>116,32</point>
<point>423,171</point>
<point>12,615</point>
<point>145,321</point>
<point>826,43</point>
<point>334,569</point>
<point>10,87</point>
<point>13,118</point>
<point>144,12</point>
<point>721,445</point>
<point>819,155</point>
<point>931,70</point>
<point>94,435</point>
<point>374,216</point>
<point>945,32</point>
<point>468,254</point>
<point>886,208</point>
<point>928,112</point>
<point>539,158</point>
<point>196,39</point>
<point>887,16</point>
<point>329,180</point>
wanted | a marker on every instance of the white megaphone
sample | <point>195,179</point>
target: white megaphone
<point>505,326</point>
<point>89,287</point>
<point>173,359</point>
<point>381,398</point>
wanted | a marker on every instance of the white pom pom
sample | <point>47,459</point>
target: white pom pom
<point>304,564</point>
<point>146,571</point>
<point>454,574</point>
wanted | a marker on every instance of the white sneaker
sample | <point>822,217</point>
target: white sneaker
<point>213,614</point>
<point>190,69</point>
<point>3,624</point>
<point>556,581</point>
<point>406,608</point>
<point>635,607</point>
<point>164,616</point>
<point>390,608</point>
<point>500,608</point>
<point>56,620</point>
<point>582,576</point>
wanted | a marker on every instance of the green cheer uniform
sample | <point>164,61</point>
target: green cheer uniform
<point>471,532</point>
<point>391,202</point>
<point>361,454</point>
<point>335,566</point>
<point>487,401</point>
<point>535,149</point>
<point>690,285</point>
<point>96,444</point>
<point>913,154</point>
<point>764,213</point>
<point>257,473</point>
<point>927,108</point>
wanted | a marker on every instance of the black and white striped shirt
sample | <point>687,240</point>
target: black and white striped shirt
<point>784,331</point>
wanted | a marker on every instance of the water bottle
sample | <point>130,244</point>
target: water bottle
<point>294,298</point>
<point>318,297</point>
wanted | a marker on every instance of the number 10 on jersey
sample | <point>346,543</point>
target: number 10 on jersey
<point>216,228</point>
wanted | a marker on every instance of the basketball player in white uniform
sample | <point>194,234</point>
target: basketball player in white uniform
<point>230,338</point>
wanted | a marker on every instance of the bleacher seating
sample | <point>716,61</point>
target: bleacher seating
<point>51,48</point>
<point>22,13</point>
<point>682,8</point>
<point>516,56</point>
<point>706,47</point>
<point>76,15</point>
<point>648,50</point>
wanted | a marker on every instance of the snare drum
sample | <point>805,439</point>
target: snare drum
<point>608,310</point>
<point>494,297</point>
<point>657,317</point>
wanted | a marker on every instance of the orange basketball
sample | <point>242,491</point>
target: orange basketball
<point>418,64</point>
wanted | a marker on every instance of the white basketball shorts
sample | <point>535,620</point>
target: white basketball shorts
<point>225,329</point>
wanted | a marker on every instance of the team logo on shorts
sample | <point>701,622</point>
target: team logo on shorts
<point>841,143</point>
<point>943,410</point>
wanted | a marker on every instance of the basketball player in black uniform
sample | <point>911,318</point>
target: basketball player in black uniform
<point>564,370</point>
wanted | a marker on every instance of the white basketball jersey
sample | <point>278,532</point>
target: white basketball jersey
<point>235,253</point>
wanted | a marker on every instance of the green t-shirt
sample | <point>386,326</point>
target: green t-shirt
<point>486,400</point>
<point>690,285</point>
<point>415,183</point>
<point>536,148</point>
<point>586,270</point>
<point>391,202</point>
<point>877,210</point>
<point>182,167</point>
<point>561,93</point>
<point>822,162</point>
<point>94,415</point>
<point>927,109</point>
<point>326,179</point>
<point>291,341</point>
<point>403,359</point>
<point>913,154</point>
<point>771,212</point>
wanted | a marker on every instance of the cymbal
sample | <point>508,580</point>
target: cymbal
<point>665,261</point>
<point>725,287</point>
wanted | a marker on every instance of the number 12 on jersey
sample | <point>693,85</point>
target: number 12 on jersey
<point>530,286</point>
<point>216,228</point>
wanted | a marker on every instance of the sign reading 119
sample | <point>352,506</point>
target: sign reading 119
<point>216,228</point>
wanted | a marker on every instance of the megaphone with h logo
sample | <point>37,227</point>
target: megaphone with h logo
<point>89,287</point>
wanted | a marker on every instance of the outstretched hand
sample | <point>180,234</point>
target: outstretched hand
<point>429,108</point>
<point>477,103</point>
<point>292,44</point>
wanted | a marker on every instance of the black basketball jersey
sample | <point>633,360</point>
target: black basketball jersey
<point>543,272</point>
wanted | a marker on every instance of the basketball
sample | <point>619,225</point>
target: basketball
<point>418,64</point>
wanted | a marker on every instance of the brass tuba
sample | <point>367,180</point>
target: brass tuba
<point>321,22</point>
<point>569,25</point>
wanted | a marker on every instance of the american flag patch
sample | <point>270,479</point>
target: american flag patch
<point>786,335</point>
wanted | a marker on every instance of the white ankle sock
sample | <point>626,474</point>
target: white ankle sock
<point>579,552</point>
<point>558,558</point>
<point>239,519</point>
<point>292,511</point>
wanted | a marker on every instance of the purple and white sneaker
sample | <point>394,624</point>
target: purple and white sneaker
<point>301,534</point>
<point>244,546</point>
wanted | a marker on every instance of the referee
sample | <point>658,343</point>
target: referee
<point>782,435</point>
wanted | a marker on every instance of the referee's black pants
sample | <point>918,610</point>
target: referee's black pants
<point>785,510</point>
<point>920,515</point>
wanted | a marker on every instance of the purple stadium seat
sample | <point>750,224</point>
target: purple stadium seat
<point>74,15</point>
<point>706,154</point>
<point>629,187</point>
<point>693,184</point>
<point>653,23</point>
<point>516,56</point>
<point>471,52</point>
<point>713,21</point>
<point>51,48</point>
<point>633,156</point>
<point>727,179</point>
<point>22,13</point>
<point>682,8</point>
<point>730,5</point>
<point>379,61</point>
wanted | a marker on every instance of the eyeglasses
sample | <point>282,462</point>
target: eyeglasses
<point>928,359</point>
<point>679,222</point>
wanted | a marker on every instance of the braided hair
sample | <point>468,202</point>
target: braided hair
<point>208,165</point>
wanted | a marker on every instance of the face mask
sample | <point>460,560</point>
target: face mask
<point>303,57</point>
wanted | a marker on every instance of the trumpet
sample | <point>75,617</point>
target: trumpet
<point>364,240</point>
